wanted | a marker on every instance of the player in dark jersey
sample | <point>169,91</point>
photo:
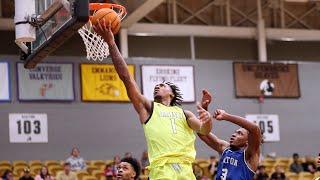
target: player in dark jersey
<point>240,156</point>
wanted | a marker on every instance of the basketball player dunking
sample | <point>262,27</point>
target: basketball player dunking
<point>168,128</point>
<point>240,156</point>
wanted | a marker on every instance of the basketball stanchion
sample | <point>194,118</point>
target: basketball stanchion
<point>96,47</point>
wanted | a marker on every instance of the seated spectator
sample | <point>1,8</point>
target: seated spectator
<point>77,163</point>
<point>66,174</point>
<point>318,162</point>
<point>213,166</point>
<point>309,165</point>
<point>116,162</point>
<point>44,174</point>
<point>261,173</point>
<point>278,174</point>
<point>26,175</point>
<point>108,172</point>
<point>197,171</point>
<point>144,161</point>
<point>128,169</point>
<point>7,175</point>
<point>296,166</point>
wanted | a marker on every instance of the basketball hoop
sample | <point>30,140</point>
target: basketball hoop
<point>96,47</point>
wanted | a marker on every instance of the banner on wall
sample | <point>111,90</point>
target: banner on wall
<point>28,128</point>
<point>269,125</point>
<point>266,79</point>
<point>4,82</point>
<point>182,76</point>
<point>100,82</point>
<point>47,81</point>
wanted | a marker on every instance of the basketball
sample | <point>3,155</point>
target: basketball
<point>108,15</point>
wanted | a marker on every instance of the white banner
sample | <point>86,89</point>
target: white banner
<point>182,76</point>
<point>28,128</point>
<point>4,82</point>
<point>269,125</point>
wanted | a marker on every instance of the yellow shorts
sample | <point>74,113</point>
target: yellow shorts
<point>172,171</point>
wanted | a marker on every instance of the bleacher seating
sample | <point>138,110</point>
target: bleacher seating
<point>95,168</point>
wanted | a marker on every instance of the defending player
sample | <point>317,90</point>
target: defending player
<point>240,156</point>
<point>168,128</point>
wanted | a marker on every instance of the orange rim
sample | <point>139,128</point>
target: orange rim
<point>120,9</point>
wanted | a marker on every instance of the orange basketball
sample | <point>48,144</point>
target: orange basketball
<point>108,15</point>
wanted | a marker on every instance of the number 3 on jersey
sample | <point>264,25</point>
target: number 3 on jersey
<point>224,174</point>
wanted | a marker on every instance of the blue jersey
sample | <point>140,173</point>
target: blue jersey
<point>233,166</point>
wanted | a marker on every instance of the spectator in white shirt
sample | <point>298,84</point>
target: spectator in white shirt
<point>77,163</point>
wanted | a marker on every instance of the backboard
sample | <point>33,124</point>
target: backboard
<point>54,22</point>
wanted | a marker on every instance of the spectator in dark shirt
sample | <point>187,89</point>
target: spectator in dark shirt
<point>278,174</point>
<point>144,161</point>
<point>7,175</point>
<point>26,175</point>
<point>296,166</point>
<point>261,173</point>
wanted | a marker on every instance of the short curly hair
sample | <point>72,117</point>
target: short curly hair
<point>135,164</point>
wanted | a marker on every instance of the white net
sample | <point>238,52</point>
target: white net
<point>96,47</point>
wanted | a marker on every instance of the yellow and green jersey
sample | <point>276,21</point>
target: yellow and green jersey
<point>169,137</point>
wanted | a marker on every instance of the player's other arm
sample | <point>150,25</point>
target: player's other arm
<point>254,137</point>
<point>214,142</point>
<point>141,104</point>
<point>201,124</point>
<point>206,99</point>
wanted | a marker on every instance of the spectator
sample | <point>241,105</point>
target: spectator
<point>296,166</point>
<point>7,175</point>
<point>44,174</point>
<point>116,162</point>
<point>26,175</point>
<point>197,171</point>
<point>261,173</point>
<point>318,162</point>
<point>66,174</point>
<point>128,155</point>
<point>108,172</point>
<point>128,169</point>
<point>144,161</point>
<point>213,166</point>
<point>278,174</point>
<point>77,163</point>
<point>309,165</point>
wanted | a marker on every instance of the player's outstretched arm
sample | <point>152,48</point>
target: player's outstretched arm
<point>141,104</point>
<point>254,137</point>
<point>210,139</point>
<point>201,124</point>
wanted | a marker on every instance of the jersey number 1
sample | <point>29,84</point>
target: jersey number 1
<point>173,125</point>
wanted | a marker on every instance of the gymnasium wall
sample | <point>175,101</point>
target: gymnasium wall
<point>102,130</point>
